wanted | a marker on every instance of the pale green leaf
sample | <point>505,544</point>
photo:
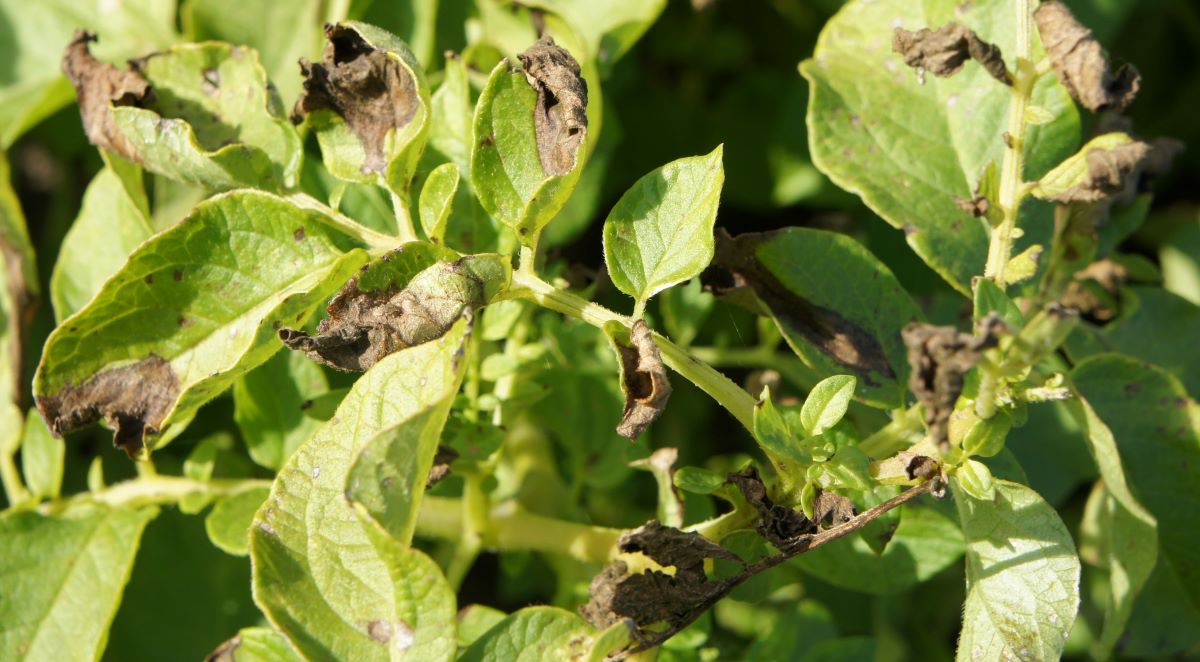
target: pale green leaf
<point>256,645</point>
<point>924,543</point>
<point>213,121</point>
<point>1022,576</point>
<point>450,126</point>
<point>42,457</point>
<point>827,403</point>
<point>660,232</point>
<point>909,149</point>
<point>437,196</point>
<point>986,437</point>
<point>1179,257</point>
<point>684,311</point>
<point>773,433</point>
<point>534,634</point>
<point>1073,172</point>
<point>474,621</point>
<point>976,480</point>
<point>270,405</point>
<point>228,523</point>
<point>63,576</point>
<point>331,579</point>
<point>506,168</point>
<point>1023,265</point>
<point>191,310</point>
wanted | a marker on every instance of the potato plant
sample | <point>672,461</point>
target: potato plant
<point>340,300</point>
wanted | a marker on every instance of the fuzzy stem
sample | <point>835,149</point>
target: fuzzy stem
<point>895,436</point>
<point>14,488</point>
<point>405,231</point>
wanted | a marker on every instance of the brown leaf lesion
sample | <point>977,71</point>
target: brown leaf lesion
<point>1112,172</point>
<point>369,88</point>
<point>560,117</point>
<point>99,86</point>
<point>940,357</point>
<point>643,380</point>
<point>1080,63</point>
<point>133,399</point>
<point>783,527</point>
<point>943,52</point>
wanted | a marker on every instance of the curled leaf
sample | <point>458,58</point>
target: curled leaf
<point>943,52</point>
<point>781,526</point>
<point>1080,63</point>
<point>643,380</point>
<point>939,357</point>
<point>560,117</point>
<point>100,86</point>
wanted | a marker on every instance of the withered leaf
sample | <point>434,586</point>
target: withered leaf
<point>943,52</point>
<point>643,380</point>
<point>977,206</point>
<point>365,326</point>
<point>442,460</point>
<point>99,86</point>
<point>367,87</point>
<point>654,596</point>
<point>560,117</point>
<point>1080,63</point>
<point>1094,290</point>
<point>940,356</point>
<point>132,399</point>
<point>781,526</point>
<point>832,509</point>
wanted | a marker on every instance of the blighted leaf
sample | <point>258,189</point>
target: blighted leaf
<point>198,113</point>
<point>654,596</point>
<point>1079,61</point>
<point>64,574</point>
<point>256,644</point>
<point>908,149</point>
<point>372,317</point>
<point>838,307</point>
<point>1022,576</point>
<point>228,523</point>
<point>533,634</point>
<point>190,311</point>
<point>368,102</point>
<point>660,233</point>
<point>530,131</point>
<point>1104,167</point>
<point>437,195</point>
<point>942,52</point>
<point>940,356</point>
<point>780,525</point>
<point>643,380</point>
<point>325,573</point>
<point>273,406</point>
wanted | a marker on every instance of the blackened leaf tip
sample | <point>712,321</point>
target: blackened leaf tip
<point>943,52</point>
<point>560,118</point>
<point>99,86</point>
<point>940,357</point>
<point>644,381</point>
<point>1080,63</point>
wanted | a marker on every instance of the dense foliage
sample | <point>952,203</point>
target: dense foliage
<point>593,329</point>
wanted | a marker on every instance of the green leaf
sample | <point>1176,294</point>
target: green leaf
<point>684,310</point>
<point>42,457</point>
<point>976,480</point>
<point>363,605</point>
<point>989,298</point>
<point>31,84</point>
<point>507,171</point>
<point>474,621</point>
<point>660,233</point>
<point>437,195</point>
<point>1073,172</point>
<point>909,149</point>
<point>228,524</point>
<point>256,645</point>
<point>374,137</point>
<point>986,437</point>
<point>199,466</point>
<point>1130,542</point>
<point>1179,257</point>
<point>1152,326</point>
<point>191,310</point>
<point>1153,424</point>
<point>533,634</point>
<point>1022,576</point>
<point>827,403</point>
<point>63,576</point>
<point>213,120</point>
<point>924,543</point>
<point>450,126</point>
<point>1165,620</point>
<point>773,433</point>
<point>271,403</point>
<point>698,481</point>
<point>840,309</point>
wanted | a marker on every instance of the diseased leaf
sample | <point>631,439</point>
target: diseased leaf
<point>1153,424</point>
<point>63,576</point>
<point>660,233</point>
<point>272,403</point>
<point>198,113</point>
<point>42,458</point>
<point>190,311</point>
<point>910,149</point>
<point>940,357</point>
<point>1079,61</point>
<point>826,403</point>
<point>437,195</point>
<point>1105,166</point>
<point>368,102</point>
<point>943,52</point>
<point>530,130</point>
<point>643,378</point>
<point>838,307</point>
<point>610,28</point>
<point>255,645</point>
<point>228,523</point>
<point>1022,576</point>
<point>533,634</point>
<point>330,577</point>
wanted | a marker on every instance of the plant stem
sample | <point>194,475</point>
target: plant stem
<point>790,367</point>
<point>158,490</point>
<point>729,395</point>
<point>1013,163</point>
<point>14,488</point>
<point>405,231</point>
<point>895,436</point>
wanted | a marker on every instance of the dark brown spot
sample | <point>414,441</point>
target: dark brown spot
<point>944,51</point>
<point>99,86</point>
<point>149,279</point>
<point>940,356</point>
<point>177,275</point>
<point>298,235</point>
<point>560,118</point>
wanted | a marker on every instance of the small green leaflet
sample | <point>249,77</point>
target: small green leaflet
<point>534,634</point>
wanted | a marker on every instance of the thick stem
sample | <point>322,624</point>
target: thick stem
<point>158,490</point>
<point>405,230</point>
<point>1012,166</point>
<point>895,436</point>
<point>14,489</point>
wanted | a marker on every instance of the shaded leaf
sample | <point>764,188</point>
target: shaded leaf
<point>228,523</point>
<point>272,405</point>
<point>826,403</point>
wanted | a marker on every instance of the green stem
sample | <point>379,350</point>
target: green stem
<point>474,524</point>
<point>790,367</point>
<point>1012,165</point>
<point>405,231</point>
<point>158,490</point>
<point>728,394</point>
<point>14,488</point>
<point>895,436</point>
